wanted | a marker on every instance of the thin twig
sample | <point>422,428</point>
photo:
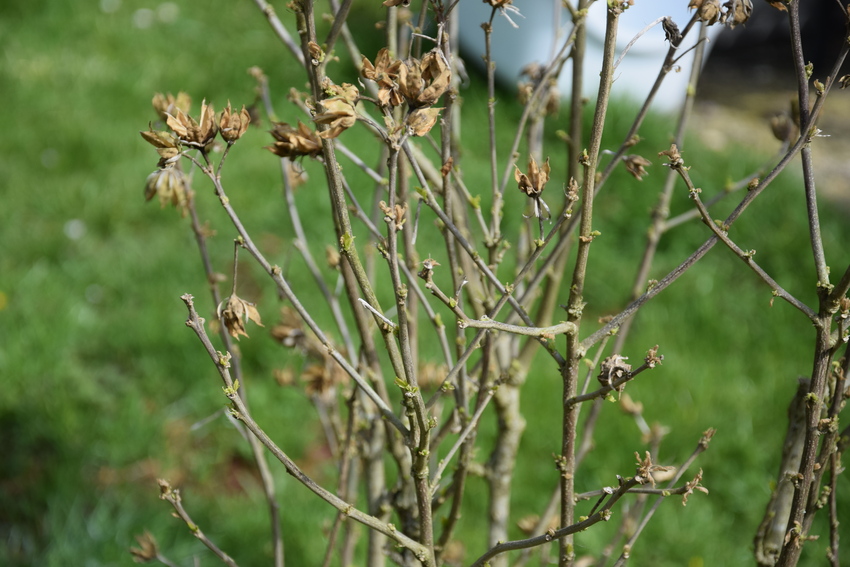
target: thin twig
<point>172,496</point>
<point>240,412</point>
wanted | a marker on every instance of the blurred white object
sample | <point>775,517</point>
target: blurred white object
<point>545,24</point>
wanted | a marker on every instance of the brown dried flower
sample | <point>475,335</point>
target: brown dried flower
<point>166,104</point>
<point>289,332</point>
<point>534,183</point>
<point>321,380</point>
<point>737,12</point>
<point>420,121</point>
<point>674,157</point>
<point>148,549</point>
<point>423,82</point>
<point>294,142</point>
<point>535,73</point>
<point>635,165</point>
<point>171,186</point>
<point>195,133</point>
<point>338,114</point>
<point>652,358</point>
<point>708,11</point>
<point>390,3</point>
<point>167,145</point>
<point>612,370</point>
<point>693,485</point>
<point>671,31</point>
<point>233,125</point>
<point>384,72</point>
<point>234,312</point>
<point>646,468</point>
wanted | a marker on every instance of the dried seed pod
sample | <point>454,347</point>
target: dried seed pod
<point>233,125</point>
<point>294,142</point>
<point>234,312</point>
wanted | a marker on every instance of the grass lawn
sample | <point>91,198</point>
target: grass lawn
<point>104,390</point>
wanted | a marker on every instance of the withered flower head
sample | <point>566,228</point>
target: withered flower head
<point>427,270</point>
<point>673,155</point>
<point>423,82</point>
<point>635,165</point>
<point>289,332</point>
<point>671,31</point>
<point>234,312</point>
<point>321,380</point>
<point>737,12</point>
<point>171,186</point>
<point>535,73</point>
<point>148,549</point>
<point>613,369</point>
<point>338,114</point>
<point>195,133</point>
<point>294,142</point>
<point>166,104</point>
<point>233,125</point>
<point>420,121</point>
<point>708,11</point>
<point>693,485</point>
<point>384,72</point>
<point>167,145</point>
<point>534,182</point>
<point>646,468</point>
<point>346,91</point>
<point>390,3</point>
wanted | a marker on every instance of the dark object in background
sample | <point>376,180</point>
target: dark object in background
<point>761,49</point>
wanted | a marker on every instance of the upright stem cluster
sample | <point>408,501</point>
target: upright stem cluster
<point>387,428</point>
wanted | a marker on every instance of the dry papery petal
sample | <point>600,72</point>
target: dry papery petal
<point>160,139</point>
<point>167,146</point>
<point>390,3</point>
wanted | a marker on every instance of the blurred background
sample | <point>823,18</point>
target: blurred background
<point>104,390</point>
